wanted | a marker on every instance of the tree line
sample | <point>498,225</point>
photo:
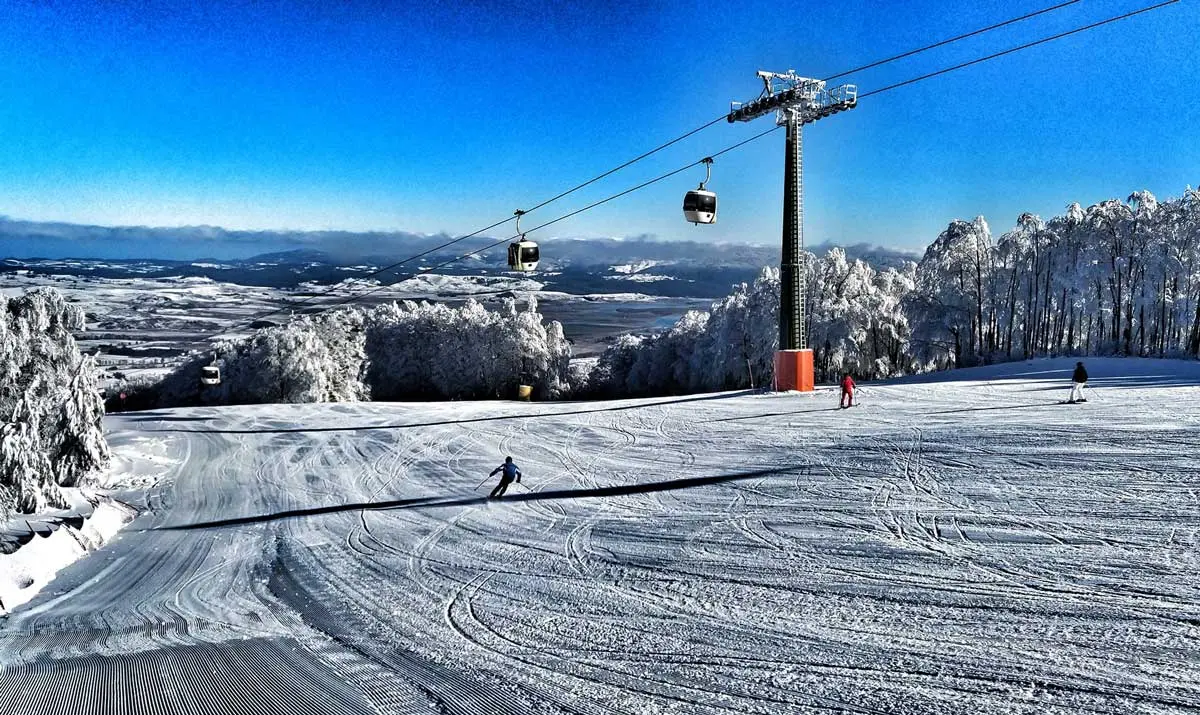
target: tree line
<point>1116,278</point>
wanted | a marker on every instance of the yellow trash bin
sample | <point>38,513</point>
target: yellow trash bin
<point>524,392</point>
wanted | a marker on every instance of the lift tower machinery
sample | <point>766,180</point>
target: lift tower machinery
<point>796,101</point>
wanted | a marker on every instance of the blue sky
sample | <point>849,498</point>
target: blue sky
<point>446,116</point>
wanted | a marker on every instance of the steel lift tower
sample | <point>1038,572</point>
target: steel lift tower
<point>796,101</point>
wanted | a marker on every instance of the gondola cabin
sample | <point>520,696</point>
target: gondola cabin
<point>700,206</point>
<point>523,256</point>
<point>210,375</point>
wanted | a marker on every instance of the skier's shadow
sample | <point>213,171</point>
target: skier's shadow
<point>146,417</point>
<point>436,502</point>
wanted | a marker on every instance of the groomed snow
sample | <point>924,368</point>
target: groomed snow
<point>138,461</point>
<point>955,544</point>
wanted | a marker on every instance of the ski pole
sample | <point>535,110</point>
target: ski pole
<point>485,481</point>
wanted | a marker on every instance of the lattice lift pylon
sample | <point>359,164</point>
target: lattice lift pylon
<point>796,101</point>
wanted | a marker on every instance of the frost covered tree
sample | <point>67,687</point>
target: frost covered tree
<point>396,351</point>
<point>741,336</point>
<point>951,306</point>
<point>51,411</point>
<point>1117,277</point>
<point>435,351</point>
<point>314,358</point>
<point>855,318</point>
<point>888,332</point>
<point>731,346</point>
<point>854,322</point>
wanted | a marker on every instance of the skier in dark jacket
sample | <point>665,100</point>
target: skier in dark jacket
<point>508,472</point>
<point>1078,382</point>
<point>847,391</point>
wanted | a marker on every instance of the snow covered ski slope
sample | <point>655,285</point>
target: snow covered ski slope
<point>955,544</point>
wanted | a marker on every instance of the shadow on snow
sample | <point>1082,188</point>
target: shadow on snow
<point>434,502</point>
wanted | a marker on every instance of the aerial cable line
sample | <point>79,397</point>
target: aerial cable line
<point>589,207</point>
<point>956,38</point>
<point>359,296</point>
<point>763,134</point>
<point>631,162</point>
<point>340,286</point>
<point>1011,50</point>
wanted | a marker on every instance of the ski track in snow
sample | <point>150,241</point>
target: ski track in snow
<point>940,548</point>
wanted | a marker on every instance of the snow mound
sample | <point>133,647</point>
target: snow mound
<point>51,542</point>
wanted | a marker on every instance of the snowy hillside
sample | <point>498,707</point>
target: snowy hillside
<point>957,544</point>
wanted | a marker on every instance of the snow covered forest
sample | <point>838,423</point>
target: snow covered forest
<point>51,431</point>
<point>396,351</point>
<point>1116,278</point>
<point>856,324</point>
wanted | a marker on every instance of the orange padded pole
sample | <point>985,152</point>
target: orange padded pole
<point>794,370</point>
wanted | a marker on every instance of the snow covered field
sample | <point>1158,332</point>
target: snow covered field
<point>955,544</point>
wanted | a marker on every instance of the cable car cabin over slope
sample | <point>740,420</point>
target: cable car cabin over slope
<point>522,253</point>
<point>523,256</point>
<point>700,205</point>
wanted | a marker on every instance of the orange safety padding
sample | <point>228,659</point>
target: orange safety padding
<point>794,370</point>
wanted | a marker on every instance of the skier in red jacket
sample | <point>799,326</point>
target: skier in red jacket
<point>847,391</point>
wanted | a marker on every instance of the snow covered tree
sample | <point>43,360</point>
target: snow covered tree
<point>434,351</point>
<point>51,413</point>
<point>1116,277</point>
<point>395,351</point>
<point>26,474</point>
<point>855,317</point>
<point>315,358</point>
<point>889,331</point>
<point>841,316</point>
<point>741,336</point>
<point>951,305</point>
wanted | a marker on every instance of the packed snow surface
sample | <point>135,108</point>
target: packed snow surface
<point>961,544</point>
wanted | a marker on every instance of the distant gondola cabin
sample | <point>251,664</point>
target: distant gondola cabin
<point>210,375</point>
<point>700,206</point>
<point>523,256</point>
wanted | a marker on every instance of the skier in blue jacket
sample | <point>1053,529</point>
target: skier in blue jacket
<point>508,472</point>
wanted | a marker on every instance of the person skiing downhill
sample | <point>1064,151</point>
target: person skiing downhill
<point>508,472</point>
<point>847,391</point>
<point>1079,380</point>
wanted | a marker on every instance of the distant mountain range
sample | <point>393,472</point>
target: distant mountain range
<point>32,239</point>
<point>577,266</point>
<point>560,254</point>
